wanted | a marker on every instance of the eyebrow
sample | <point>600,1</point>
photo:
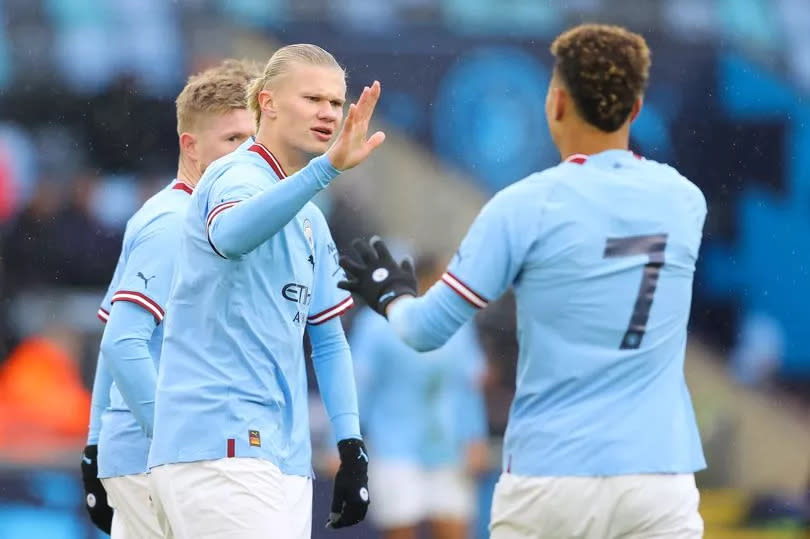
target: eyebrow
<point>324,96</point>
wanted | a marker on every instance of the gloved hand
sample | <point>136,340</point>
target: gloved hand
<point>350,498</point>
<point>95,497</point>
<point>373,274</point>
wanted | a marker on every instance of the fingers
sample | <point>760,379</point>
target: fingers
<point>407,265</point>
<point>383,254</point>
<point>350,285</point>
<point>368,101</point>
<point>351,266</point>
<point>367,254</point>
<point>374,141</point>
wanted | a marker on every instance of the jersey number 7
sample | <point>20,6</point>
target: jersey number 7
<point>652,245</point>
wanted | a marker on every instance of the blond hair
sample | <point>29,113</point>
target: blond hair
<point>214,91</point>
<point>279,64</point>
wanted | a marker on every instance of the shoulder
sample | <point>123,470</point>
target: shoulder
<point>527,194</point>
<point>678,183</point>
<point>239,167</point>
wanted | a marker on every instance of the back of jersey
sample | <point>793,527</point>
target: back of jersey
<point>603,296</point>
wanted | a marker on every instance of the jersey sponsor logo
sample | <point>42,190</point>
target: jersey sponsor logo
<point>145,279</point>
<point>297,293</point>
<point>254,438</point>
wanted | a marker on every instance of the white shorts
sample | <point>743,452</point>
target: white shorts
<point>404,494</point>
<point>134,516</point>
<point>237,498</point>
<point>626,506</point>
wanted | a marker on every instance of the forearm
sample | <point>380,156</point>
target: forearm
<point>246,225</point>
<point>332,361</point>
<point>125,346</point>
<point>427,322</point>
<point>100,399</point>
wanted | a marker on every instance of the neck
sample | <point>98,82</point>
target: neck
<point>291,159</point>
<point>187,172</point>
<point>588,140</point>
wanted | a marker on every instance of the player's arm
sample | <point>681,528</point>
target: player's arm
<point>236,228</point>
<point>126,344</point>
<point>332,362</point>
<point>484,267</point>
<point>241,219</point>
<point>137,309</point>
<point>100,399</point>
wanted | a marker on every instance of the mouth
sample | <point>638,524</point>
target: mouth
<point>322,133</point>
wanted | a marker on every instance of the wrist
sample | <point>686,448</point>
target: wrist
<point>346,426</point>
<point>395,301</point>
<point>323,170</point>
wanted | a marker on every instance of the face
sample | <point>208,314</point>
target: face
<point>306,104</point>
<point>220,134</point>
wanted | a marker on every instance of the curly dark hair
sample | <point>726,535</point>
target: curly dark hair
<point>605,68</point>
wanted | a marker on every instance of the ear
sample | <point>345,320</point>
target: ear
<point>188,145</point>
<point>267,103</point>
<point>559,103</point>
<point>636,109</point>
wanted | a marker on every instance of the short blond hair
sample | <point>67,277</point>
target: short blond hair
<point>216,90</point>
<point>279,64</point>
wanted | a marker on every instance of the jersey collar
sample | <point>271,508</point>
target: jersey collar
<point>268,156</point>
<point>182,186</point>
<point>581,158</point>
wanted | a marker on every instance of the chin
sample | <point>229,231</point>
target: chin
<point>316,147</point>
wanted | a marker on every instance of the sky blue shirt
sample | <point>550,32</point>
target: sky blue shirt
<point>141,284</point>
<point>232,380</point>
<point>601,252</point>
<point>418,408</point>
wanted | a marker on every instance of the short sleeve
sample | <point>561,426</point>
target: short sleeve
<point>146,278</point>
<point>328,301</point>
<point>490,255</point>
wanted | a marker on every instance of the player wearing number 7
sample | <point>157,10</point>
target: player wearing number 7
<point>600,250</point>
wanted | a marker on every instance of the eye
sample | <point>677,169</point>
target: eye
<point>311,98</point>
<point>233,138</point>
<point>337,104</point>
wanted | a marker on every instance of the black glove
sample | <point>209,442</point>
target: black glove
<point>350,499</point>
<point>374,275</point>
<point>95,497</point>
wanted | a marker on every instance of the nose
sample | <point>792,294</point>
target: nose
<point>328,113</point>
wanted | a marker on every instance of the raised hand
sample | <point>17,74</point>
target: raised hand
<point>351,146</point>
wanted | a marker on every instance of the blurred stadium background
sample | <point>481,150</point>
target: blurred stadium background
<point>87,132</point>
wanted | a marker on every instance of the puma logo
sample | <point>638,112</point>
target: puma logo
<point>145,279</point>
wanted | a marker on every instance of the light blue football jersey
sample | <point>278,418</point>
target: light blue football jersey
<point>142,276</point>
<point>601,252</point>
<point>418,408</point>
<point>232,380</point>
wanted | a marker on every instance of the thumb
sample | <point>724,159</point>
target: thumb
<point>375,141</point>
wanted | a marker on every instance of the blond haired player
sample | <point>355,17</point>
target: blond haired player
<point>257,268</point>
<point>212,121</point>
